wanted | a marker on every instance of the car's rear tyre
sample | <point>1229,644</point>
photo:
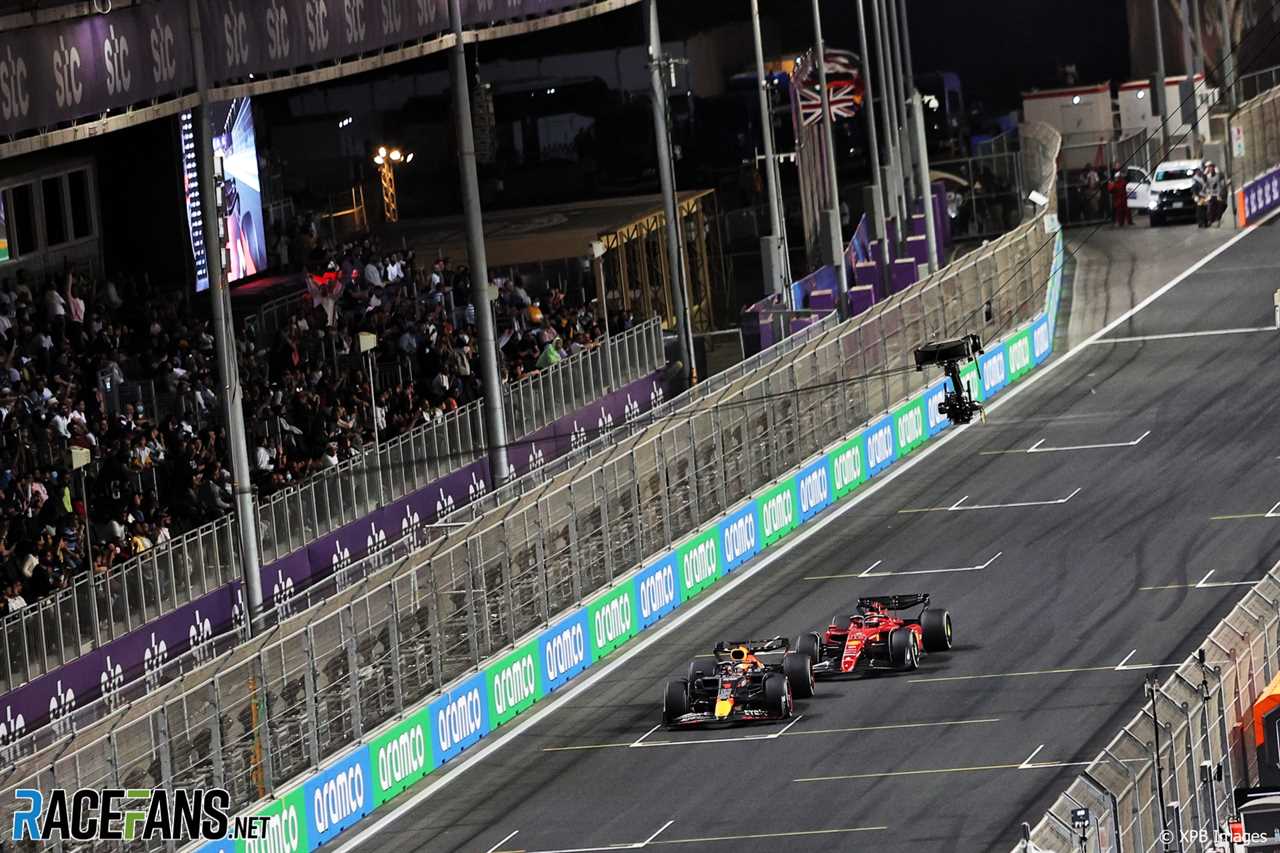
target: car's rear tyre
<point>936,624</point>
<point>798,667</point>
<point>1156,220</point>
<point>776,701</point>
<point>811,645</point>
<point>675,703</point>
<point>903,653</point>
<point>700,669</point>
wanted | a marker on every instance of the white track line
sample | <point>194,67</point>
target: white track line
<point>1176,335</point>
<point>1026,762</point>
<point>1203,583</point>
<point>779,734</point>
<point>1120,665</point>
<point>645,843</point>
<point>538,713</point>
<point>513,834</point>
<point>645,735</point>
<point>955,507</point>
<point>1036,448</point>
<point>870,574</point>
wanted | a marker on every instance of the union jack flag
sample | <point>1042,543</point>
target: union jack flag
<point>845,98</point>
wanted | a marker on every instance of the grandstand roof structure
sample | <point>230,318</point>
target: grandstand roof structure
<point>529,235</point>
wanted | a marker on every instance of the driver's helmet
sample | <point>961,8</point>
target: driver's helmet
<point>742,656</point>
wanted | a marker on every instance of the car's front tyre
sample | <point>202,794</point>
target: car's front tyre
<point>798,667</point>
<point>904,653</point>
<point>675,702</point>
<point>776,700</point>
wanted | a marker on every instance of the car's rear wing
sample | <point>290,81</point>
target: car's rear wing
<point>895,602</point>
<point>772,644</point>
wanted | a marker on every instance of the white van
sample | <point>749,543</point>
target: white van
<point>1172,191</point>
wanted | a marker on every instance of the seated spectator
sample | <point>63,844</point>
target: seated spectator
<point>72,349</point>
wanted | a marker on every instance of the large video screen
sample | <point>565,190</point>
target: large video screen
<point>233,141</point>
<point>4,233</point>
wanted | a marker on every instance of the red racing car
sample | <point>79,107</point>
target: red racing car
<point>877,638</point>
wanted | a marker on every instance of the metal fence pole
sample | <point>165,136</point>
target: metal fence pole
<point>309,697</point>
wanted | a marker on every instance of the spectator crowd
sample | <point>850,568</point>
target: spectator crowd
<point>72,346</point>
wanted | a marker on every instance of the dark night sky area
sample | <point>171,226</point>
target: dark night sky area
<point>998,47</point>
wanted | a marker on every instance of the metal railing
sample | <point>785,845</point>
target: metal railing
<point>1002,143</point>
<point>99,608</point>
<point>1258,120</point>
<point>276,707</point>
<point>992,203</point>
<point>1255,83</point>
<point>293,518</point>
<point>1204,712</point>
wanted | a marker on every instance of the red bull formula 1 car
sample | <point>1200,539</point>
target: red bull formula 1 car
<point>737,687</point>
<point>877,638</point>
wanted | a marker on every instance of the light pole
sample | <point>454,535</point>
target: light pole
<point>771,246</point>
<point>892,149</point>
<point>926,188</point>
<point>224,335</point>
<point>1158,99</point>
<point>386,161</point>
<point>877,177</point>
<point>904,95</point>
<point>368,342</point>
<point>1228,60</point>
<point>1189,63</point>
<point>495,423</point>
<point>658,64</point>
<point>832,213</point>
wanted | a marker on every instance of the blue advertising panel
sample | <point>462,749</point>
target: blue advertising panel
<point>339,796</point>
<point>657,590</point>
<point>934,421</point>
<point>995,371</point>
<point>882,447</point>
<point>1041,339</point>
<point>565,650</point>
<point>739,537</point>
<point>459,718</point>
<point>814,486</point>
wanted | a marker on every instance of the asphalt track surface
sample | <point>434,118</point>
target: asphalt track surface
<point>1097,583</point>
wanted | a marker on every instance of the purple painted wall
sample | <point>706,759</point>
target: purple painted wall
<point>126,668</point>
<point>904,274</point>
<point>132,665</point>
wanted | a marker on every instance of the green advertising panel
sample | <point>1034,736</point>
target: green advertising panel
<point>613,619</point>
<point>401,757</point>
<point>849,465</point>
<point>1018,350</point>
<point>909,426</point>
<point>286,827</point>
<point>969,378</point>
<point>698,563</point>
<point>778,515</point>
<point>515,683</point>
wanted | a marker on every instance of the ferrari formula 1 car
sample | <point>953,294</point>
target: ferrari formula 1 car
<point>738,687</point>
<point>877,638</point>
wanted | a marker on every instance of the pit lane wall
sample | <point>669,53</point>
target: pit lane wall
<point>306,816</point>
